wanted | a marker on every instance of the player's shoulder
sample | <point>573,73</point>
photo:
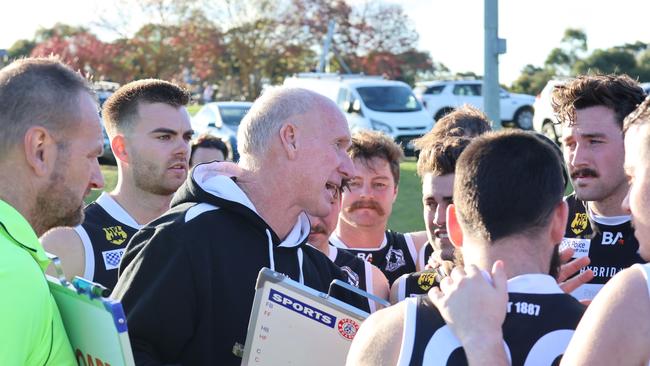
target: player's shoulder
<point>60,236</point>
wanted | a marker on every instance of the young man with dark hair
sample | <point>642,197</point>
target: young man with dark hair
<point>150,133</point>
<point>591,110</point>
<point>208,148</point>
<point>465,121</point>
<point>436,166</point>
<point>507,206</point>
<point>367,206</point>
<point>50,139</point>
<point>614,329</point>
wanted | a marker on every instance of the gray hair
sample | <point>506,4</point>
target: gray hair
<point>267,115</point>
<point>37,91</point>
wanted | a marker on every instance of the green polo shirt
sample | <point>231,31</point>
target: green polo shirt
<point>31,331</point>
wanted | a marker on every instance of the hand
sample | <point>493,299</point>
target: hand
<point>473,307</point>
<point>569,268</point>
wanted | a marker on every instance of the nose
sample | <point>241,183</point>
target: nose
<point>346,167</point>
<point>439,219</point>
<point>626,202</point>
<point>96,177</point>
<point>579,156</point>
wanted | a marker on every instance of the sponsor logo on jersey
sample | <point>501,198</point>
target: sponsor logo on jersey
<point>302,308</point>
<point>579,223</point>
<point>426,280</point>
<point>365,256</point>
<point>112,258</point>
<point>353,278</point>
<point>347,328</point>
<point>610,238</point>
<point>394,259</point>
<point>606,272</point>
<point>115,234</point>
<point>580,246</point>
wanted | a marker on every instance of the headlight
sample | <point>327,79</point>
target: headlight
<point>380,126</point>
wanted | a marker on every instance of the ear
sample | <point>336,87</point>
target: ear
<point>453,227</point>
<point>40,150</point>
<point>118,145</point>
<point>558,222</point>
<point>289,139</point>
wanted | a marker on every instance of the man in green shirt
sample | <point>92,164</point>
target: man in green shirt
<point>50,138</point>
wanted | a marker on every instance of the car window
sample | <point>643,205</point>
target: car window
<point>389,98</point>
<point>231,115</point>
<point>204,117</point>
<point>467,90</point>
<point>434,90</point>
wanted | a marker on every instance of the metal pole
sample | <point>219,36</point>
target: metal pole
<point>493,47</point>
<point>326,46</point>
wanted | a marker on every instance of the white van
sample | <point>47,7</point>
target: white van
<point>370,102</point>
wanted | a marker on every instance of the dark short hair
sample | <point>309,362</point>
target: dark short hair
<point>367,145</point>
<point>617,92</point>
<point>439,157</point>
<point>465,121</point>
<point>121,108</point>
<point>209,142</point>
<point>38,91</point>
<point>506,183</point>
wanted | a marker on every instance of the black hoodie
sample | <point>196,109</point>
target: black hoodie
<point>187,279</point>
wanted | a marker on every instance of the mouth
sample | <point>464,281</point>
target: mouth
<point>584,174</point>
<point>178,167</point>
<point>441,234</point>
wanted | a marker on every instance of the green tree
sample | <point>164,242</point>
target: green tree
<point>532,80</point>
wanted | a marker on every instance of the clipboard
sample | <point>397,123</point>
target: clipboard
<point>292,324</point>
<point>96,325</point>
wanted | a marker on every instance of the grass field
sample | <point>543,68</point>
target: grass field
<point>407,211</point>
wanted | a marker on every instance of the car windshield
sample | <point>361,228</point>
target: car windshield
<point>389,98</point>
<point>231,116</point>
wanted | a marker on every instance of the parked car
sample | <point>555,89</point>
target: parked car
<point>371,103</point>
<point>442,97</point>
<point>221,119</point>
<point>544,120</point>
<point>103,90</point>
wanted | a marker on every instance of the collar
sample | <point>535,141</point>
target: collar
<point>21,233</point>
<point>607,220</point>
<point>336,241</point>
<point>110,205</point>
<point>534,283</point>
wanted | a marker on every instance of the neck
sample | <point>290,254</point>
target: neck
<point>519,254</point>
<point>360,236</point>
<point>611,205</point>
<point>21,196</point>
<point>143,206</point>
<point>268,197</point>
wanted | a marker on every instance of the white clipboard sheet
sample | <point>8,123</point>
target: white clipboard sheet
<point>292,324</point>
<point>96,326</point>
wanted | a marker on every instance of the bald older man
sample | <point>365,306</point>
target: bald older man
<point>187,280</point>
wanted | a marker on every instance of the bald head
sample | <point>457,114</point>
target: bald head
<point>273,108</point>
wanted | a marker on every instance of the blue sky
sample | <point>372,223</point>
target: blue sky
<point>451,30</point>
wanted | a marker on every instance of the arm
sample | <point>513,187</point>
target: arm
<point>379,339</point>
<point>419,239</point>
<point>616,326</point>
<point>475,310</point>
<point>66,244</point>
<point>395,289</point>
<point>379,284</point>
<point>156,289</point>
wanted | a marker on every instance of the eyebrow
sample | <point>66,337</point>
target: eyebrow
<point>171,132</point>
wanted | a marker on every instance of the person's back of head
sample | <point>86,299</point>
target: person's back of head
<point>465,121</point>
<point>37,91</point>
<point>507,183</point>
<point>619,93</point>
<point>120,111</point>
<point>368,145</point>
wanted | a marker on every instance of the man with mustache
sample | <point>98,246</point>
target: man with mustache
<point>508,209</point>
<point>150,133</point>
<point>367,206</point>
<point>592,109</point>
<point>360,273</point>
